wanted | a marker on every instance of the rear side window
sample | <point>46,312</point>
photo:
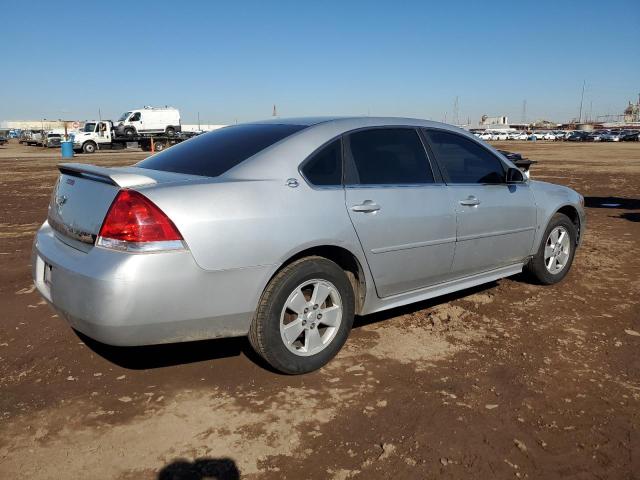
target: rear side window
<point>463,160</point>
<point>325,166</point>
<point>387,156</point>
<point>213,153</point>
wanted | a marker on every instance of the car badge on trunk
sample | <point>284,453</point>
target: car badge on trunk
<point>60,201</point>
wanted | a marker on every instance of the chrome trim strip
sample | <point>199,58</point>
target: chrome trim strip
<point>140,247</point>
<point>408,246</point>
<point>495,234</point>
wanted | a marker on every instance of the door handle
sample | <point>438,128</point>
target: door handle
<point>367,206</point>
<point>470,201</point>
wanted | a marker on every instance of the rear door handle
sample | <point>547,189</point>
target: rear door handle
<point>470,201</point>
<point>367,206</point>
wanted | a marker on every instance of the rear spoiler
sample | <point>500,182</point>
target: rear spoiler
<point>112,176</point>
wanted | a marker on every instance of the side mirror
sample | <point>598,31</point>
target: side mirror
<point>515,175</point>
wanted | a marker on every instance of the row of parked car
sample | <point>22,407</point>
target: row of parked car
<point>568,135</point>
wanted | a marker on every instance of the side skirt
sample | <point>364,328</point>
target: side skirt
<point>443,288</point>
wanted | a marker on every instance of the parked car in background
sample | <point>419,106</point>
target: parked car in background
<point>537,135</point>
<point>630,136</point>
<point>3,140</point>
<point>559,134</point>
<point>578,136</point>
<point>596,136</point>
<point>283,230</point>
<point>610,137</point>
<point>51,140</point>
<point>486,136</point>
<point>518,136</point>
<point>499,136</point>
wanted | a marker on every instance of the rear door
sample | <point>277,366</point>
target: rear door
<point>495,220</point>
<point>399,209</point>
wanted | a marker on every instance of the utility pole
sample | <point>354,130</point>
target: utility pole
<point>581,100</point>
<point>198,121</point>
<point>523,118</point>
<point>275,113</point>
<point>456,119</point>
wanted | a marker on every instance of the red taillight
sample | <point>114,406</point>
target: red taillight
<point>132,217</point>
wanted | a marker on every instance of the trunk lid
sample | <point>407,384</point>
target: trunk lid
<point>83,194</point>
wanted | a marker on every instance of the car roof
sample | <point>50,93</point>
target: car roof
<point>285,155</point>
<point>351,122</point>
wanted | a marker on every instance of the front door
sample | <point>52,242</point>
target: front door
<point>495,220</point>
<point>136,121</point>
<point>403,217</point>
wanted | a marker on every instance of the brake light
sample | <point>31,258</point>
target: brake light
<point>135,223</point>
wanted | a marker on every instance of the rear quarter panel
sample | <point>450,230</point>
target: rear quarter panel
<point>246,223</point>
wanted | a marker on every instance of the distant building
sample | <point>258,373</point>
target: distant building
<point>34,124</point>
<point>487,121</point>
<point>632,112</point>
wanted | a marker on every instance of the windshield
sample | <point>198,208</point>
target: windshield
<point>124,116</point>
<point>89,127</point>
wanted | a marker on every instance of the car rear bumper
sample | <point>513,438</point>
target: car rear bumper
<point>130,299</point>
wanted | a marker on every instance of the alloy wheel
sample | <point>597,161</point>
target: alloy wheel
<point>557,250</point>
<point>311,317</point>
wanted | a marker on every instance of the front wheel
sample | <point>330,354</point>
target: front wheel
<point>89,147</point>
<point>304,316</point>
<point>555,255</point>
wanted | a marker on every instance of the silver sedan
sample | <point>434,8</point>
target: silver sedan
<point>284,230</point>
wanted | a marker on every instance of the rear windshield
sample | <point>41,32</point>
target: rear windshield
<point>213,153</point>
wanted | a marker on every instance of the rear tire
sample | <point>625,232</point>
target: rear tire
<point>171,131</point>
<point>89,147</point>
<point>293,333</point>
<point>555,255</point>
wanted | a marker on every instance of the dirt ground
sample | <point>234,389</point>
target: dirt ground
<point>509,380</point>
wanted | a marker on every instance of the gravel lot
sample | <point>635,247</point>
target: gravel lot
<point>509,380</point>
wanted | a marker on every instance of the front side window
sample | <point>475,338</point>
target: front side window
<point>463,160</point>
<point>325,166</point>
<point>135,117</point>
<point>387,156</point>
<point>211,154</point>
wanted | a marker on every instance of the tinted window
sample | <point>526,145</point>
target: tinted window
<point>325,166</point>
<point>463,160</point>
<point>213,153</point>
<point>388,156</point>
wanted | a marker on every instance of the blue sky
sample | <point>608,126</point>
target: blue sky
<point>231,61</point>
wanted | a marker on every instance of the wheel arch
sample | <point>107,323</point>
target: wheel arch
<point>345,259</point>
<point>92,142</point>
<point>571,212</point>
